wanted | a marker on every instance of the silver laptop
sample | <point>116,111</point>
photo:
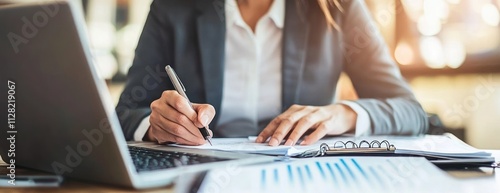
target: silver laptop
<point>62,119</point>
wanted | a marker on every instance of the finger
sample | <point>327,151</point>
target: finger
<point>287,124</point>
<point>177,140</point>
<point>319,133</point>
<point>167,138</point>
<point>273,125</point>
<point>304,124</point>
<point>175,116</point>
<point>179,103</point>
<point>206,114</point>
<point>266,133</point>
<point>164,124</point>
<point>150,136</point>
<point>168,131</point>
<point>210,131</point>
<point>164,114</point>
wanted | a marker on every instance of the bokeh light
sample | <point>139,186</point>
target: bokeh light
<point>404,54</point>
<point>454,51</point>
<point>490,14</point>
<point>453,1</point>
<point>436,8</point>
<point>429,25</point>
<point>432,52</point>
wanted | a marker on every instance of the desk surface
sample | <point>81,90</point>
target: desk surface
<point>70,185</point>
<point>483,181</point>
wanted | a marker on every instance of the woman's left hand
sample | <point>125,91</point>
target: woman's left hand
<point>333,119</point>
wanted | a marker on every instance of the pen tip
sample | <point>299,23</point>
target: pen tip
<point>209,141</point>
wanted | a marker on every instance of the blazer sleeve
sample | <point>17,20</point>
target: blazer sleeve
<point>146,78</point>
<point>382,90</point>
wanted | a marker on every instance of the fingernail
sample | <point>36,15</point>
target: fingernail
<point>259,139</point>
<point>289,142</point>
<point>303,143</point>
<point>273,142</point>
<point>204,120</point>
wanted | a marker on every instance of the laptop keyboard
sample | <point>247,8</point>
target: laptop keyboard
<point>149,159</point>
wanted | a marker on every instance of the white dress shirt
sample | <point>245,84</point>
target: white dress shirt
<point>252,74</point>
<point>252,85</point>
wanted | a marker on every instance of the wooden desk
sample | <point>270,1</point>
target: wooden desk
<point>480,181</point>
<point>70,185</point>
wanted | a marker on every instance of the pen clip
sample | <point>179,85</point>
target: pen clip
<point>182,85</point>
<point>178,79</point>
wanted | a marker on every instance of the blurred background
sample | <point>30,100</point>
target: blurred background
<point>448,50</point>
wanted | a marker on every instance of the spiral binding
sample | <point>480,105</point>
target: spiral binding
<point>362,145</point>
<point>373,144</point>
<point>374,147</point>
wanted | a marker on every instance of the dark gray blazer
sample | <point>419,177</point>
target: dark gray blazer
<point>190,35</point>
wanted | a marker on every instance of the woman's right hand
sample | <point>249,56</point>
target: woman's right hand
<point>173,120</point>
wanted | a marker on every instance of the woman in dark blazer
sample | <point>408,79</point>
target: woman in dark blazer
<point>221,50</point>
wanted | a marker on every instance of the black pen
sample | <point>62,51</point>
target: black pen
<point>179,87</point>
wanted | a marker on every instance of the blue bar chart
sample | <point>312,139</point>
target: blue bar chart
<point>335,174</point>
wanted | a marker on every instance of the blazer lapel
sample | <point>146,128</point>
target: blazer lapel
<point>211,29</point>
<point>295,33</point>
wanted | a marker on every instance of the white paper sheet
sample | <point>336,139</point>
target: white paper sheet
<point>438,145</point>
<point>248,145</point>
<point>334,174</point>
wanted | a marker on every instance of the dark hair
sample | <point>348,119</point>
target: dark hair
<point>325,7</point>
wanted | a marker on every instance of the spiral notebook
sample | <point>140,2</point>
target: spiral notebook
<point>441,149</point>
<point>445,150</point>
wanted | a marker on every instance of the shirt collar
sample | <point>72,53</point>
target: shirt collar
<point>276,13</point>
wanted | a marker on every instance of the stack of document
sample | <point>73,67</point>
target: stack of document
<point>248,145</point>
<point>446,145</point>
<point>334,174</point>
<point>426,145</point>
